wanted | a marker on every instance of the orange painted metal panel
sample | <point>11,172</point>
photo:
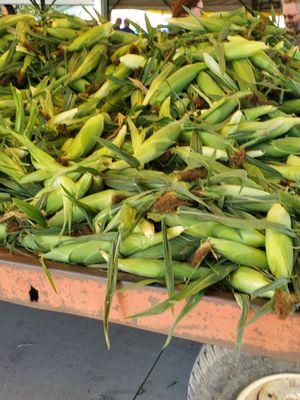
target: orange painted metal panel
<point>81,291</point>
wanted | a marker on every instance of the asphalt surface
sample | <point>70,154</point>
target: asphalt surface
<point>51,356</point>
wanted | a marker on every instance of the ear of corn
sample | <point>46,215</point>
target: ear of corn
<point>136,242</point>
<point>62,33</point>
<point>256,112</point>
<point>74,252</point>
<point>240,253</point>
<point>42,242</point>
<point>157,82</point>
<point>279,247</point>
<point>281,147</point>
<point>86,138</point>
<point>246,49</point>
<point>244,74</point>
<point>69,22</point>
<point>182,247</point>
<point>189,22</point>
<point>133,61</point>
<point>11,166</point>
<point>110,86</point>
<point>288,172</point>
<point>208,86</point>
<point>96,202</point>
<point>155,145</point>
<point>264,62</point>
<point>90,62</point>
<point>178,81</point>
<point>293,161</point>
<point>247,280</point>
<point>249,237</point>
<point>3,232</point>
<point>291,106</point>
<point>150,268</point>
<point>90,37</point>
<point>12,20</point>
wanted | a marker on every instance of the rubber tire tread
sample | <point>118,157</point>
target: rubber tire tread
<point>218,374</point>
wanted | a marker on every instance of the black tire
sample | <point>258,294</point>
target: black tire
<point>218,375</point>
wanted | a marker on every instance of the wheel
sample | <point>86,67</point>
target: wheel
<point>219,375</point>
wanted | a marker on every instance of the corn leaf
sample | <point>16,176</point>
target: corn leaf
<point>243,301</point>
<point>169,274</point>
<point>112,271</point>
<point>234,222</point>
<point>278,283</point>
<point>47,273</point>
<point>191,304</point>
<point>120,153</point>
<point>32,212</point>
<point>219,50</point>
<point>210,278</point>
<point>139,284</point>
<point>265,309</point>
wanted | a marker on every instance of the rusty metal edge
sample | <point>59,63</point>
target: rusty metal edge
<point>81,292</point>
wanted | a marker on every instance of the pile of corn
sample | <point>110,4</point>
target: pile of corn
<point>168,155</point>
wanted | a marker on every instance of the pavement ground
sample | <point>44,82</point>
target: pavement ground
<point>51,356</point>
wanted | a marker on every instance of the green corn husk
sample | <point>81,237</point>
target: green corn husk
<point>279,247</point>
<point>151,268</point>
<point>86,138</point>
<point>208,86</point>
<point>281,147</point>
<point>12,20</point>
<point>90,62</point>
<point>253,113</point>
<point>62,33</point>
<point>222,109</point>
<point>3,232</point>
<point>136,242</point>
<point>293,161</point>
<point>264,62</point>
<point>247,280</point>
<point>291,106</point>
<point>42,242</point>
<point>182,247</point>
<point>235,190</point>
<point>178,81</point>
<point>232,126</point>
<point>155,145</point>
<point>69,22</point>
<point>269,129</point>
<point>203,230</point>
<point>90,37</point>
<point>54,200</point>
<point>240,253</point>
<point>291,173</point>
<point>96,202</point>
<point>244,74</point>
<point>189,22</point>
<point>247,49</point>
<point>110,86</point>
<point>157,82</point>
<point>74,252</point>
<point>11,166</point>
